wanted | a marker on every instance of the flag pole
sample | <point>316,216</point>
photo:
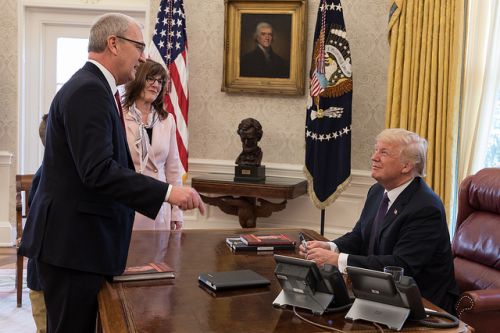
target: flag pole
<point>169,46</point>
<point>322,230</point>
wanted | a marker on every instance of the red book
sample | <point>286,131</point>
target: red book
<point>277,239</point>
<point>151,271</point>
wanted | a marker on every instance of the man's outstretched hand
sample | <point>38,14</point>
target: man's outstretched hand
<point>186,198</point>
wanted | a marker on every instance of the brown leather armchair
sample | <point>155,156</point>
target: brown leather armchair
<point>476,248</point>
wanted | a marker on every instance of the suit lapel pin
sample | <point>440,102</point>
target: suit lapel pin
<point>395,212</point>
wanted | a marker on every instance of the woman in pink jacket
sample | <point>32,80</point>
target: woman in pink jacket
<point>151,139</point>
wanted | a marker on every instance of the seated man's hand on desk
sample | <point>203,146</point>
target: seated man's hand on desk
<point>186,198</point>
<point>319,252</point>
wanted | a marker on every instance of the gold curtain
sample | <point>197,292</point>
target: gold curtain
<point>480,81</point>
<point>423,91</point>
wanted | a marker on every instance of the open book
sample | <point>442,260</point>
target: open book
<point>150,271</point>
<point>267,240</point>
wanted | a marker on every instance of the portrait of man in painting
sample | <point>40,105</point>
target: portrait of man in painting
<point>265,45</point>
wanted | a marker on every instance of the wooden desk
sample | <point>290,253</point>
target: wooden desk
<point>180,305</point>
<point>245,199</point>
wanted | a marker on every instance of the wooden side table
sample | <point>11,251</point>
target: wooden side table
<point>245,199</point>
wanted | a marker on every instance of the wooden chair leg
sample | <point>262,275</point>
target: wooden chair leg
<point>19,280</point>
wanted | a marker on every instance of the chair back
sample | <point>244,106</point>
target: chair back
<point>476,250</point>
<point>476,243</point>
<point>23,185</point>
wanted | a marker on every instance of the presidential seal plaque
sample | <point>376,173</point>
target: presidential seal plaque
<point>248,167</point>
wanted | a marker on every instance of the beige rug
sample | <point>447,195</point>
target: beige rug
<point>12,318</point>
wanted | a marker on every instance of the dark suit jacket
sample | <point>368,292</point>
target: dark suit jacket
<point>32,271</point>
<point>414,235</point>
<point>255,64</point>
<point>81,217</point>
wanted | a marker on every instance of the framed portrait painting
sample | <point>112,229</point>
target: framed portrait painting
<point>265,44</point>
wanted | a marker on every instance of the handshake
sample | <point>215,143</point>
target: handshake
<point>186,198</point>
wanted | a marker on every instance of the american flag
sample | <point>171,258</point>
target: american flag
<point>169,46</point>
<point>317,87</point>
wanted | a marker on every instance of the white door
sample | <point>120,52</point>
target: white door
<point>55,46</point>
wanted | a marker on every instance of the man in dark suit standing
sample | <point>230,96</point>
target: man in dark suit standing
<point>262,61</point>
<point>408,230</point>
<point>80,222</point>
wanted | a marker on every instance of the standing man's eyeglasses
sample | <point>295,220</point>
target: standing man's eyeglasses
<point>140,45</point>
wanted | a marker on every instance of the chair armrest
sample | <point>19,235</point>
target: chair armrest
<point>478,301</point>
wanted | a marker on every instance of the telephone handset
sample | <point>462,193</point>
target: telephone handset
<point>333,283</point>
<point>411,298</point>
<point>411,295</point>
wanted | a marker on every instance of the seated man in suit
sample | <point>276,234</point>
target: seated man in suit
<point>403,223</point>
<point>262,61</point>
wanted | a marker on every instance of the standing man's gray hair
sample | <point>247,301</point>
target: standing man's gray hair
<point>107,25</point>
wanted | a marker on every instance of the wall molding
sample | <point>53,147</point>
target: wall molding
<point>299,213</point>
<point>93,5</point>
<point>340,217</point>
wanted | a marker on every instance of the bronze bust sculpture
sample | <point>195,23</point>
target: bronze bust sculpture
<point>250,132</point>
<point>248,167</point>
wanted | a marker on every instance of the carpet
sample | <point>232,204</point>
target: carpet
<point>14,319</point>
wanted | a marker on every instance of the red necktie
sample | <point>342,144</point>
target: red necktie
<point>120,110</point>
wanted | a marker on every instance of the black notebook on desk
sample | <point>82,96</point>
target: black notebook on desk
<point>232,279</point>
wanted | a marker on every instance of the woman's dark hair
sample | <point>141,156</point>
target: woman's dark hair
<point>133,89</point>
<point>42,129</point>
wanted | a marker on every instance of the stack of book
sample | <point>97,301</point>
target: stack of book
<point>150,271</point>
<point>250,242</point>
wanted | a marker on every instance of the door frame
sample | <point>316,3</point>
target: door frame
<point>37,78</point>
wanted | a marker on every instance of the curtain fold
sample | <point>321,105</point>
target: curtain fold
<point>423,89</point>
<point>481,80</point>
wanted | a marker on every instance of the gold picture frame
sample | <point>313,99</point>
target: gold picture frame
<point>257,63</point>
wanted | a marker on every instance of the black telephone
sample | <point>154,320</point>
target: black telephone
<point>380,287</point>
<point>305,285</point>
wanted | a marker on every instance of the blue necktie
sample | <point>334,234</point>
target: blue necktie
<point>377,222</point>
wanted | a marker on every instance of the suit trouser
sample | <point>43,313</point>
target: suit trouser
<point>70,298</point>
